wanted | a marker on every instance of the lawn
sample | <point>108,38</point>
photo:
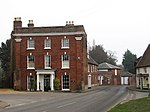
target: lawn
<point>139,105</point>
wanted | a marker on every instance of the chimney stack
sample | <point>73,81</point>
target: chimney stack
<point>30,24</point>
<point>17,22</point>
<point>69,23</point>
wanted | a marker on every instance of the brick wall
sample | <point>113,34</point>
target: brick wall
<point>77,52</point>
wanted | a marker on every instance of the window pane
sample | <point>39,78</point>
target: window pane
<point>47,43</point>
<point>65,81</point>
<point>65,61</point>
<point>31,61</point>
<point>47,61</point>
<point>30,43</point>
<point>65,42</point>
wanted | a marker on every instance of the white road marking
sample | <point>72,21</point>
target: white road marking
<point>66,104</point>
<point>11,106</point>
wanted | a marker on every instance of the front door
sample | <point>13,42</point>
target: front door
<point>47,83</point>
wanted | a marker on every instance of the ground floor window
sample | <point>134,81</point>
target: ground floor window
<point>31,83</point>
<point>65,82</point>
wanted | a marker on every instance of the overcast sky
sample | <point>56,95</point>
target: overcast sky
<point>118,25</point>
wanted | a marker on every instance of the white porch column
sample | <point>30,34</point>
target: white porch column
<point>115,71</point>
<point>141,83</point>
<point>52,82</point>
<point>37,75</point>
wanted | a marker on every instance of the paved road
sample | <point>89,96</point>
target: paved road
<point>99,100</point>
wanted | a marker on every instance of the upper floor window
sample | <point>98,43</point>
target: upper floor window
<point>65,61</point>
<point>145,69</point>
<point>47,61</point>
<point>30,62</point>
<point>47,43</point>
<point>91,68</point>
<point>30,44</point>
<point>65,42</point>
<point>88,68</point>
<point>138,70</point>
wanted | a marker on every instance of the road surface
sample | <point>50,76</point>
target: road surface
<point>98,100</point>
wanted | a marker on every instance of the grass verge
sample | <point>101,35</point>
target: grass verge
<point>139,105</point>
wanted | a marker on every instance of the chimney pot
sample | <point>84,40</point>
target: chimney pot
<point>17,18</point>
<point>30,24</point>
<point>72,22</point>
<point>30,21</point>
<point>66,22</point>
<point>69,23</point>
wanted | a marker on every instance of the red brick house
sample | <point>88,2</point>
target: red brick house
<point>92,72</point>
<point>109,74</point>
<point>40,54</point>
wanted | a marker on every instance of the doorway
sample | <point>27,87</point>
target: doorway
<point>89,81</point>
<point>47,83</point>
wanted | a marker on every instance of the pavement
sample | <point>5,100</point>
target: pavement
<point>2,103</point>
<point>133,88</point>
<point>133,93</point>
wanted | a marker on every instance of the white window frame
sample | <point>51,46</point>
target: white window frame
<point>91,68</point>
<point>47,43</point>
<point>65,43</point>
<point>64,89</point>
<point>67,62</point>
<point>30,46</point>
<point>46,63</point>
<point>88,68</point>
<point>28,67</point>
<point>145,70</point>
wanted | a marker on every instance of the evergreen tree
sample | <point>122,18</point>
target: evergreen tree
<point>5,63</point>
<point>128,61</point>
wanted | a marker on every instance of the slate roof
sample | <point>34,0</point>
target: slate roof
<point>145,59</point>
<point>126,74</point>
<point>51,29</point>
<point>107,66</point>
<point>92,61</point>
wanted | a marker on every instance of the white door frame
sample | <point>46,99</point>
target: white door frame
<point>89,81</point>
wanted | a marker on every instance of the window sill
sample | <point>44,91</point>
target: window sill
<point>30,48</point>
<point>47,48</point>
<point>65,89</point>
<point>47,68</point>
<point>65,68</point>
<point>64,47</point>
<point>31,68</point>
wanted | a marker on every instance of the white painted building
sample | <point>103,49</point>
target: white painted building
<point>143,70</point>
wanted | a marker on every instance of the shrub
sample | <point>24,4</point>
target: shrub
<point>56,83</point>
